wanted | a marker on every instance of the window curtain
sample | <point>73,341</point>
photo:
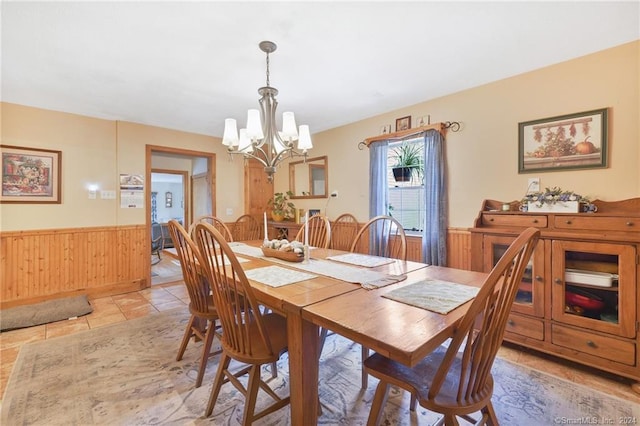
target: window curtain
<point>378,187</point>
<point>434,234</point>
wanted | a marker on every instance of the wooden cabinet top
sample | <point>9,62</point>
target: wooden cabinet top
<point>617,220</point>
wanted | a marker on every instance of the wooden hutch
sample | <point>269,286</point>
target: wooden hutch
<point>579,298</point>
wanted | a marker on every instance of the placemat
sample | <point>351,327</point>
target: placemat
<point>434,295</point>
<point>365,260</point>
<point>276,276</point>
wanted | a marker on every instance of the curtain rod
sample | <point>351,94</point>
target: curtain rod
<point>454,126</point>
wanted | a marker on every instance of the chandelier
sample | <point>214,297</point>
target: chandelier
<point>261,139</point>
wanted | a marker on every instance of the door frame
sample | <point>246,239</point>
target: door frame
<point>211,170</point>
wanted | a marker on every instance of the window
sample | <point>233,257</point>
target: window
<point>406,187</point>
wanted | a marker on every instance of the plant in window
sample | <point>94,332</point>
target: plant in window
<point>408,162</point>
<point>281,207</point>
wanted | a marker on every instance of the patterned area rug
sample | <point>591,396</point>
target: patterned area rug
<point>126,374</point>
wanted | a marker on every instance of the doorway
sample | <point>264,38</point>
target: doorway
<point>175,199</point>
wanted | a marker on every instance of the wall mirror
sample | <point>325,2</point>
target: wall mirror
<point>309,179</point>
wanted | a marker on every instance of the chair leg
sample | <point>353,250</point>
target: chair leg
<point>365,376</point>
<point>217,383</point>
<point>492,419</point>
<point>414,403</point>
<point>185,338</point>
<point>206,349</point>
<point>378,403</point>
<point>274,370</point>
<point>252,395</point>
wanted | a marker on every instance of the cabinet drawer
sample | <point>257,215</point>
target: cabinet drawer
<point>524,326</point>
<point>593,344</point>
<point>626,224</point>
<point>524,221</point>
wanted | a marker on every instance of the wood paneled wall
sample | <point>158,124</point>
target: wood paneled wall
<point>45,264</point>
<point>458,248</point>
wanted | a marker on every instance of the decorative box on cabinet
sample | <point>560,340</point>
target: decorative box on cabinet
<point>579,298</point>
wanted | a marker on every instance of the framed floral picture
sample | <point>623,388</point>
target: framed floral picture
<point>572,141</point>
<point>30,175</point>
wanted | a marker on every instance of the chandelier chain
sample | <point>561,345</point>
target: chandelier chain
<point>268,69</point>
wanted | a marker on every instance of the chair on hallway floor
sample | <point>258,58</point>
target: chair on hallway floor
<point>458,383</point>
<point>248,336</point>
<point>202,324</point>
<point>319,232</point>
<point>156,242</point>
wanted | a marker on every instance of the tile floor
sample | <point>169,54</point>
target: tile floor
<point>114,309</point>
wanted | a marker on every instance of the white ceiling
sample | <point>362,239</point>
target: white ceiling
<point>190,65</point>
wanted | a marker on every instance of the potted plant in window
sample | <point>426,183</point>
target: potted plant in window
<point>408,162</point>
<point>281,207</point>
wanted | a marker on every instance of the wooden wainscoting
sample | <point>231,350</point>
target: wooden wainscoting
<point>52,263</point>
<point>458,248</point>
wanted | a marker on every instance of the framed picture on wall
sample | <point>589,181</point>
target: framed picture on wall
<point>403,123</point>
<point>30,175</point>
<point>314,212</point>
<point>572,141</point>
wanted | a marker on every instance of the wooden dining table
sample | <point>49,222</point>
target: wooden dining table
<point>397,330</point>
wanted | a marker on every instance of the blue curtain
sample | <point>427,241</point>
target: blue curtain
<point>434,234</point>
<point>378,190</point>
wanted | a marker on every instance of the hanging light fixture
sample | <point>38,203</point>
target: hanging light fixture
<point>261,139</point>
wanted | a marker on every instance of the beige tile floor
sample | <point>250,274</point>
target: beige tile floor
<point>158,298</point>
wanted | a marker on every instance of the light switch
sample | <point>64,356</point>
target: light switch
<point>229,211</point>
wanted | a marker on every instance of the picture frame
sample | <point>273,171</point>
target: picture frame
<point>30,175</point>
<point>403,123</point>
<point>386,129</point>
<point>314,212</point>
<point>565,142</point>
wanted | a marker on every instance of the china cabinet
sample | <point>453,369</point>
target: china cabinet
<point>579,297</point>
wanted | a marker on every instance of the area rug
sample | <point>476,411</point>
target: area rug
<point>126,374</point>
<point>44,312</point>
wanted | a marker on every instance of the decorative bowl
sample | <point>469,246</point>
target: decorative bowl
<point>289,256</point>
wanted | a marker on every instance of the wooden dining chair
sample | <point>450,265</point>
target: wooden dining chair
<point>453,383</point>
<point>246,228</point>
<point>216,222</point>
<point>202,323</point>
<point>319,232</point>
<point>249,335</point>
<point>381,236</point>
<point>343,231</point>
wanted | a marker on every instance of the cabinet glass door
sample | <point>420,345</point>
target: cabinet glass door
<point>593,286</point>
<point>530,296</point>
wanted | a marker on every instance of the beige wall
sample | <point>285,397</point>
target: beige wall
<point>482,156</point>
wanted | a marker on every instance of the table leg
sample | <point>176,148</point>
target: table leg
<point>303,370</point>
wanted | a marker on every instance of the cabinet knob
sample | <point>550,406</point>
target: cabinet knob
<point>538,278</point>
<point>511,322</point>
<point>490,219</point>
<point>591,344</point>
<point>629,224</point>
<point>557,281</point>
<point>568,222</point>
<point>535,220</point>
